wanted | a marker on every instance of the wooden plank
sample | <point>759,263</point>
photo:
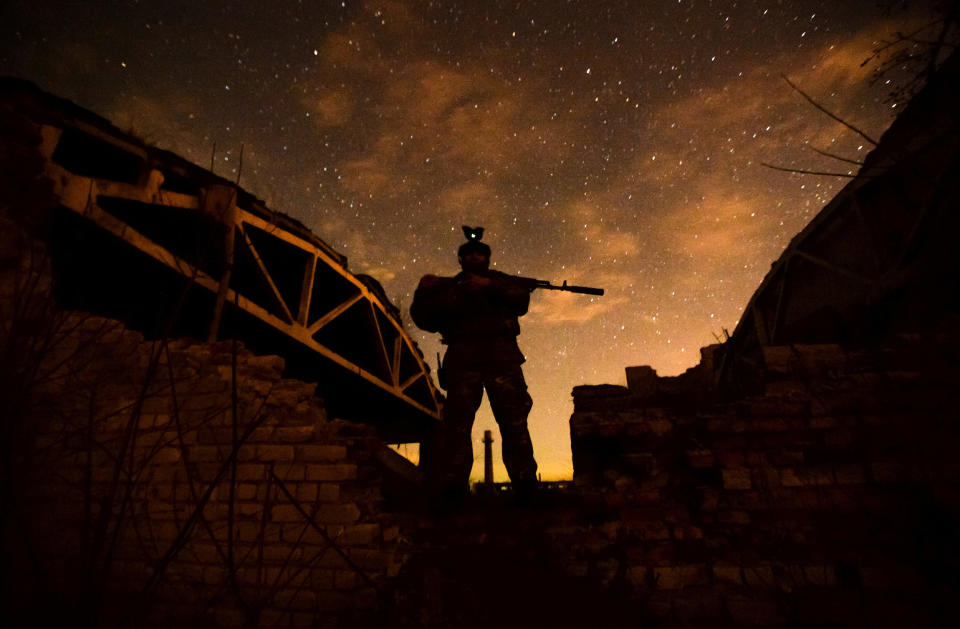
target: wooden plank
<point>409,381</point>
<point>853,275</point>
<point>397,349</point>
<point>121,230</point>
<point>78,194</point>
<point>310,241</point>
<point>384,357</point>
<point>778,310</point>
<point>322,256</point>
<point>880,255</point>
<point>302,335</point>
<point>760,324</point>
<point>307,291</point>
<point>292,239</point>
<point>156,196</point>
<point>266,275</point>
<point>333,314</point>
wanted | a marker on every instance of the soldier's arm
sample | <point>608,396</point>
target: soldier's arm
<point>514,295</point>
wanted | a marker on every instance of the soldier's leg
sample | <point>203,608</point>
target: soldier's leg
<point>511,404</point>
<point>453,452</point>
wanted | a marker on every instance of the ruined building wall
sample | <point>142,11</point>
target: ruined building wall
<point>831,499</point>
<point>174,483</point>
<point>806,472</point>
<point>153,483</point>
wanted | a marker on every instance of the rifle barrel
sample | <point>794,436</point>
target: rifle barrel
<point>585,290</point>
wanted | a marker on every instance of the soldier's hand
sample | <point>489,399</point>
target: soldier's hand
<point>429,281</point>
<point>477,282</point>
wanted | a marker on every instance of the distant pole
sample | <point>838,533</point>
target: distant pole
<point>487,458</point>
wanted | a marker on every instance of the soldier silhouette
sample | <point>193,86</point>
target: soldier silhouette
<point>477,312</point>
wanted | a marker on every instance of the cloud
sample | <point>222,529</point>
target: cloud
<point>556,307</point>
<point>703,220</point>
<point>379,273</point>
<point>435,88</point>
<point>349,50</point>
<point>759,97</point>
<point>340,232</point>
<point>330,107</point>
<point>456,124</point>
<point>371,175</point>
<point>469,198</point>
<point>704,205</point>
<point>164,122</point>
<point>603,239</point>
<point>477,147</point>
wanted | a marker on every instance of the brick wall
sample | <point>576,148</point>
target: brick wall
<point>830,500</point>
<point>178,484</point>
<point>145,483</point>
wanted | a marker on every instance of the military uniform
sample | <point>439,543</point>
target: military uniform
<point>479,326</point>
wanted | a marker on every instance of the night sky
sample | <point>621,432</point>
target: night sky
<point>612,144</point>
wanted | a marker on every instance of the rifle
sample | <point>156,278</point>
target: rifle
<point>533,284</point>
<point>474,234</point>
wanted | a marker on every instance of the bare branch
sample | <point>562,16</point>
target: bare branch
<point>941,39</point>
<point>842,159</point>
<point>900,38</point>
<point>805,172</point>
<point>323,533</point>
<point>240,165</point>
<point>829,113</point>
<point>928,42</point>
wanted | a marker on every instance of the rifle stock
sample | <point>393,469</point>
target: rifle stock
<point>533,284</point>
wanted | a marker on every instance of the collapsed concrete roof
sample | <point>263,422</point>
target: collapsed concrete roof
<point>145,236</point>
<point>881,257</point>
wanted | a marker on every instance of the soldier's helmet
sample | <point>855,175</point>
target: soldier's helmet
<point>473,234</point>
